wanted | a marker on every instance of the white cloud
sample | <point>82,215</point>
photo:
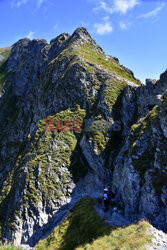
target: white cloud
<point>124,5</point>
<point>123,26</point>
<point>106,18</point>
<point>103,6</point>
<point>18,3</point>
<point>55,26</point>
<point>102,29</point>
<point>30,35</point>
<point>154,12</point>
<point>121,6</point>
<point>39,2</point>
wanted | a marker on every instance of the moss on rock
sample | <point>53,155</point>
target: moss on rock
<point>49,151</point>
<point>142,132</point>
<point>4,55</point>
<point>91,55</point>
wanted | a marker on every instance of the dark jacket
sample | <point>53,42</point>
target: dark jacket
<point>111,195</point>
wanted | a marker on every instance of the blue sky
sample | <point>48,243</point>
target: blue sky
<point>132,30</point>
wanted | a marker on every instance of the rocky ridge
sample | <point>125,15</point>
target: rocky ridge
<point>121,138</point>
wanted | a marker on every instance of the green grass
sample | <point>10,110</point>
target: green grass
<point>82,225</point>
<point>9,248</point>
<point>5,52</point>
<point>112,91</point>
<point>99,137</point>
<point>84,229</point>
<point>82,58</point>
<point>144,124</point>
<point>91,55</point>
<point>126,238</point>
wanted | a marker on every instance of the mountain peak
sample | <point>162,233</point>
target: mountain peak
<point>81,36</point>
<point>81,31</point>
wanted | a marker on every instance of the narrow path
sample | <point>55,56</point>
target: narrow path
<point>113,216</point>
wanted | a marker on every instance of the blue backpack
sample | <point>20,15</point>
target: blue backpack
<point>105,196</point>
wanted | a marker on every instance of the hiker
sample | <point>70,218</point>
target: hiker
<point>106,200</point>
<point>107,197</point>
<point>111,195</point>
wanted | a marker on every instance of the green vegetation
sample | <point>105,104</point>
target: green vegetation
<point>49,151</point>
<point>83,58</point>
<point>146,160</point>
<point>82,228</point>
<point>9,248</point>
<point>4,55</point>
<point>6,187</point>
<point>44,164</point>
<point>99,137</point>
<point>144,124</point>
<point>91,55</point>
<point>127,238</point>
<point>112,91</point>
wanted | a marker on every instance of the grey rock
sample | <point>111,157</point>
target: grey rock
<point>44,80</point>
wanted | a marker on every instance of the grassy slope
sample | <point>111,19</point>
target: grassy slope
<point>9,248</point>
<point>4,53</point>
<point>90,55</point>
<point>84,229</point>
<point>37,157</point>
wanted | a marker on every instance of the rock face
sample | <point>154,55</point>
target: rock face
<point>73,120</point>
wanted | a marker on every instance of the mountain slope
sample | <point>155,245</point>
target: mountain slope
<point>69,114</point>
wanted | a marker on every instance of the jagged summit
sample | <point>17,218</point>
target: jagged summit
<point>81,35</point>
<point>81,31</point>
<point>62,37</point>
<point>29,59</point>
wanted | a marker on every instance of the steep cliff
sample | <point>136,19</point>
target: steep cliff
<point>72,119</point>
